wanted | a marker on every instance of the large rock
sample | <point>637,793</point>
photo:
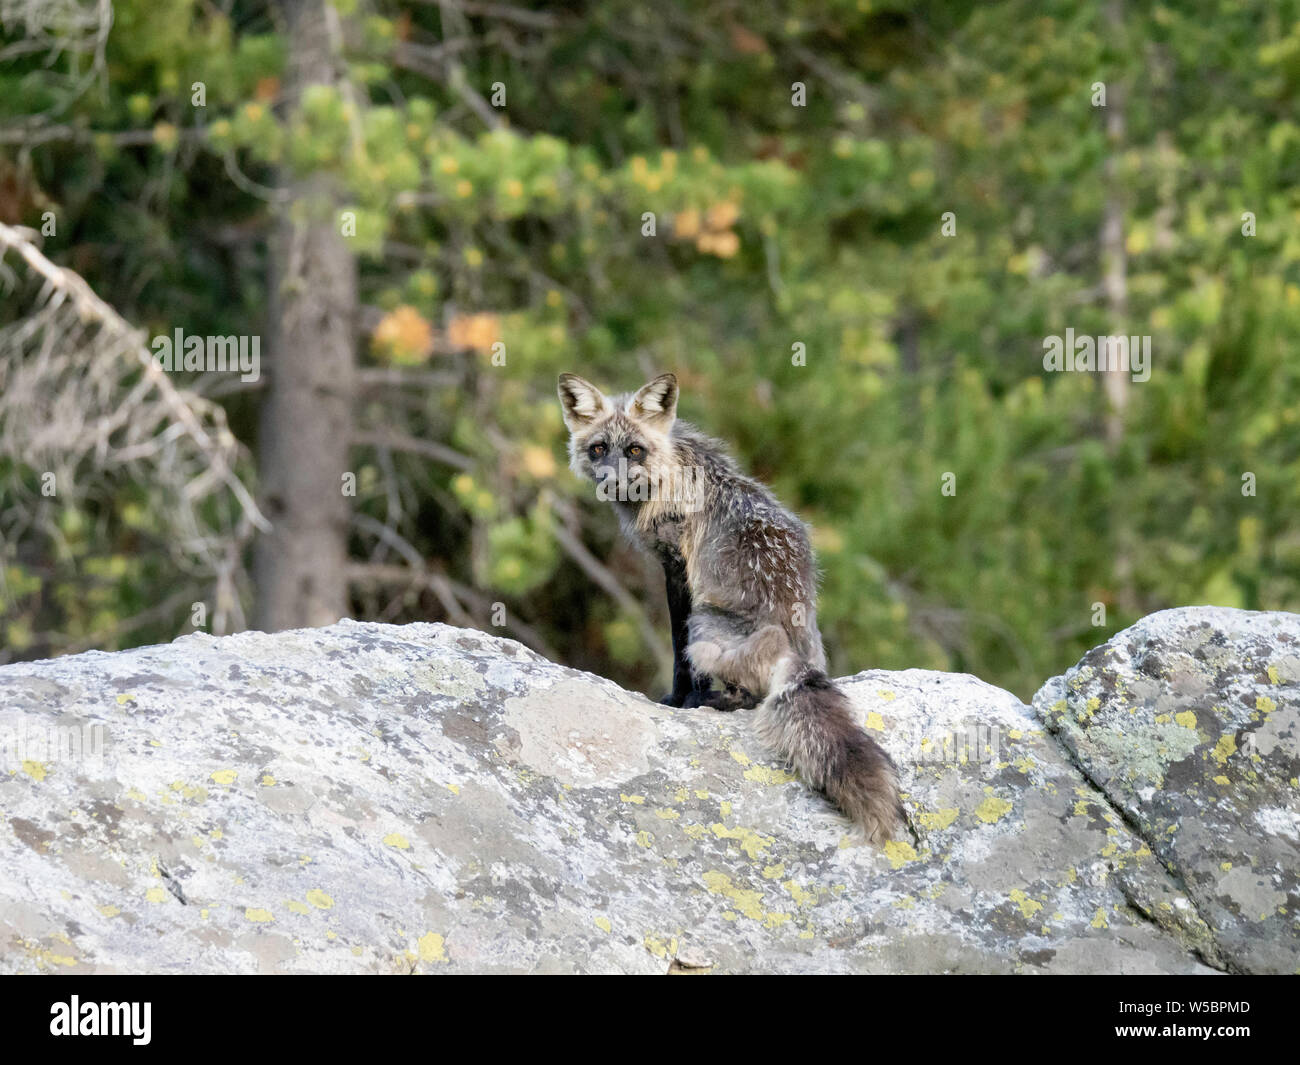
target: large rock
<point>1190,723</point>
<point>374,798</point>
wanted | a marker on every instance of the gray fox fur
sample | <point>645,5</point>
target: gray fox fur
<point>742,588</point>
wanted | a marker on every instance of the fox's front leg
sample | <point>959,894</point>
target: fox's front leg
<point>679,613</point>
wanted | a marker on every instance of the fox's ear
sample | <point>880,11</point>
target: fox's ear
<point>582,401</point>
<point>655,404</point>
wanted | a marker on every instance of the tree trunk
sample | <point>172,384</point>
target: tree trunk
<point>1113,251</point>
<point>306,421</point>
<point>1117,381</point>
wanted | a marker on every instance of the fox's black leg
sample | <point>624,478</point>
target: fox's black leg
<point>733,698</point>
<point>679,613</point>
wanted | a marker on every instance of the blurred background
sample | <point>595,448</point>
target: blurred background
<point>848,226</point>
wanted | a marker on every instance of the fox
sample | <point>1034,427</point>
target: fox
<point>741,581</point>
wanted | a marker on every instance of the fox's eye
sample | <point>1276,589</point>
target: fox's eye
<point>596,450</point>
<point>635,451</point>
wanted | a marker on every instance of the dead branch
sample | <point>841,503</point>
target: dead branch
<point>84,405</point>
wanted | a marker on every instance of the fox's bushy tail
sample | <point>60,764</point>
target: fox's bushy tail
<point>808,720</point>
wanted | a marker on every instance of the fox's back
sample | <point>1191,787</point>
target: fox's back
<point>744,551</point>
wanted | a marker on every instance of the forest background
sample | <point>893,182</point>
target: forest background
<point>850,227</point>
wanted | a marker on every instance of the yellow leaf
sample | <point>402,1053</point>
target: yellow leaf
<point>403,336</point>
<point>686,225</point>
<point>476,331</point>
<point>723,215</point>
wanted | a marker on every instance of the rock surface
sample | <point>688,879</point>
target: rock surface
<point>1190,723</point>
<point>371,798</point>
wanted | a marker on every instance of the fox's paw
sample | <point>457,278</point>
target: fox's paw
<point>733,698</point>
<point>687,685</point>
<point>699,698</point>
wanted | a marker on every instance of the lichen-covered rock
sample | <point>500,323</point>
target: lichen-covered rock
<point>423,798</point>
<point>1190,723</point>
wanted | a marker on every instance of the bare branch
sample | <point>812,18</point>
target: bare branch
<point>573,546</point>
<point>504,12</point>
<point>402,442</point>
<point>450,593</point>
<point>83,399</point>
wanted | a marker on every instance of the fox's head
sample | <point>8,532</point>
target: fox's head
<point>620,443</point>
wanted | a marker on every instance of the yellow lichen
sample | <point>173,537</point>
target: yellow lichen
<point>748,903</point>
<point>432,948</point>
<point>751,842</point>
<point>992,809</point>
<point>660,948</point>
<point>760,774</point>
<point>1028,906</point>
<point>899,853</point>
<point>802,896</point>
<point>937,820</point>
<point>1224,749</point>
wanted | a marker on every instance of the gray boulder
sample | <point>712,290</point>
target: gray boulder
<point>1190,723</point>
<point>372,798</point>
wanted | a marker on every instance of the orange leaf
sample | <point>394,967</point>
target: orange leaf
<point>403,336</point>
